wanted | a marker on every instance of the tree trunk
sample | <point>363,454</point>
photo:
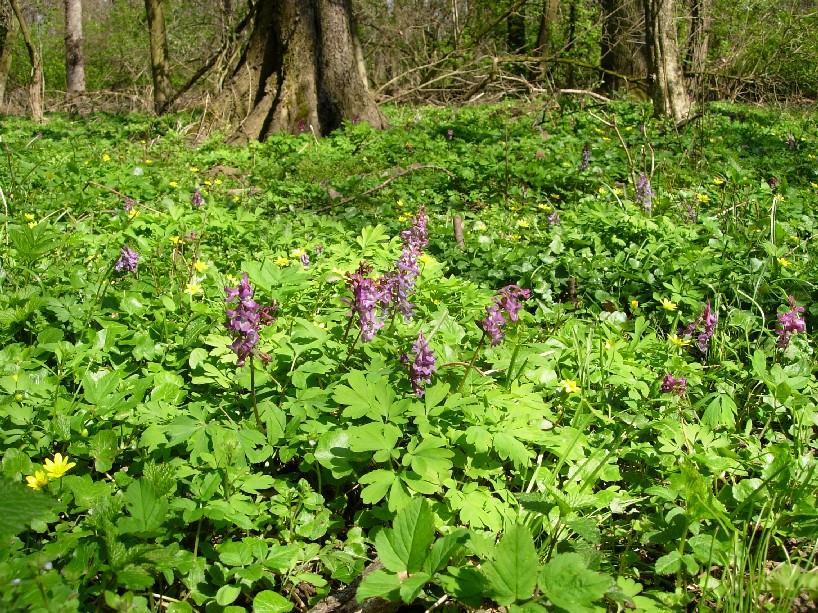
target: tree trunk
<point>570,41</point>
<point>301,70</point>
<point>548,19</point>
<point>666,80</point>
<point>159,55</point>
<point>8,36</point>
<point>74,60</point>
<point>697,42</point>
<point>623,50</point>
<point>37,86</point>
<point>515,35</point>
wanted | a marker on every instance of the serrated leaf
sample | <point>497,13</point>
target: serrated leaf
<point>411,586</point>
<point>379,584</point>
<point>227,594</point>
<point>268,601</point>
<point>147,510</point>
<point>512,575</point>
<point>571,585</point>
<point>444,549</point>
<point>669,564</point>
<point>19,505</point>
<point>412,534</point>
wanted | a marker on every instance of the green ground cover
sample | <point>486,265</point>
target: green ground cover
<point>641,437</point>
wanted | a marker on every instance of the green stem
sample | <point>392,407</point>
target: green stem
<point>253,395</point>
<point>471,363</point>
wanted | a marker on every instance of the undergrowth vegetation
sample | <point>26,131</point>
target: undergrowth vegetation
<point>553,359</point>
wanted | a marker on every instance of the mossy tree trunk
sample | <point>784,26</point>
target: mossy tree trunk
<point>159,55</point>
<point>8,36</point>
<point>302,69</point>
<point>37,86</point>
<point>666,80</point>
<point>697,42</point>
<point>74,60</point>
<point>623,51</point>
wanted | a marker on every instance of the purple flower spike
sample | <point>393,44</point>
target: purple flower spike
<point>197,200</point>
<point>790,323</point>
<point>554,219</point>
<point>305,260</point>
<point>677,385</point>
<point>245,320</point>
<point>422,367</point>
<point>707,320</point>
<point>493,323</point>
<point>507,300</point>
<point>128,260</point>
<point>644,192</point>
<point>586,158</point>
<point>366,296</point>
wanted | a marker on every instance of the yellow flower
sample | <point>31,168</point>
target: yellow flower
<point>814,185</point>
<point>208,182</point>
<point>173,184</point>
<point>678,342</point>
<point>515,237</point>
<point>29,217</point>
<point>297,253</point>
<point>217,182</point>
<point>235,198</point>
<point>543,207</point>
<point>784,262</point>
<point>668,305</point>
<point>603,191</point>
<point>57,467</point>
<point>193,288</point>
<point>194,169</point>
<point>569,386</point>
<point>31,224</point>
<point>176,240</point>
<point>231,280</point>
<point>703,198</point>
<point>37,481</point>
<point>282,261</point>
<point>200,266</point>
<point>523,223</point>
<point>404,217</point>
<point>425,258</point>
<point>718,181</point>
<point>634,304</point>
<point>106,157</point>
<point>399,204</point>
<point>555,196</point>
<point>148,162</point>
<point>133,213</point>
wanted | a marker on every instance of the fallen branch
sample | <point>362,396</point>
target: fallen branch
<point>400,173</point>
<point>584,92</point>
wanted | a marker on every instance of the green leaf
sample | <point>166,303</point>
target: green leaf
<point>444,549</point>
<point>377,485</point>
<point>571,585</point>
<point>669,564</point>
<point>373,437</point>
<point>512,575</point>
<point>429,458</point>
<point>411,586</point>
<point>19,505</point>
<point>227,594</point>
<point>271,602</point>
<point>96,387</point>
<point>412,534</point>
<point>146,509</point>
<point>379,584</point>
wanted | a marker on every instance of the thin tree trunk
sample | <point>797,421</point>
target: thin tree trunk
<point>548,20</point>
<point>8,36</point>
<point>697,42</point>
<point>622,45</point>
<point>37,86</point>
<point>74,60</point>
<point>300,71</point>
<point>159,55</point>
<point>667,83</point>
<point>570,40</point>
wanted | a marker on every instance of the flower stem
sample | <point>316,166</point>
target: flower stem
<point>471,363</point>
<point>253,395</point>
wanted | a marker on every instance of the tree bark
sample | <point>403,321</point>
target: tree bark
<point>74,60</point>
<point>623,50</point>
<point>37,86</point>
<point>570,41</point>
<point>8,36</point>
<point>548,20</point>
<point>301,70</point>
<point>515,34</point>
<point>697,42</point>
<point>159,54</point>
<point>666,80</point>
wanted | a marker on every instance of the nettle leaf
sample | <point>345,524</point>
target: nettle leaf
<point>20,505</point>
<point>405,546</point>
<point>512,575</point>
<point>571,585</point>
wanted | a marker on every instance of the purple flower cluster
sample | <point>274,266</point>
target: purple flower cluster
<point>246,318</point>
<point>305,260</point>
<point>554,219</point>
<point>790,323</point>
<point>644,192</point>
<point>128,203</point>
<point>507,300</point>
<point>128,260</point>
<point>367,295</point>
<point>586,158</point>
<point>706,324</point>
<point>677,385</point>
<point>422,367</point>
<point>196,200</point>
